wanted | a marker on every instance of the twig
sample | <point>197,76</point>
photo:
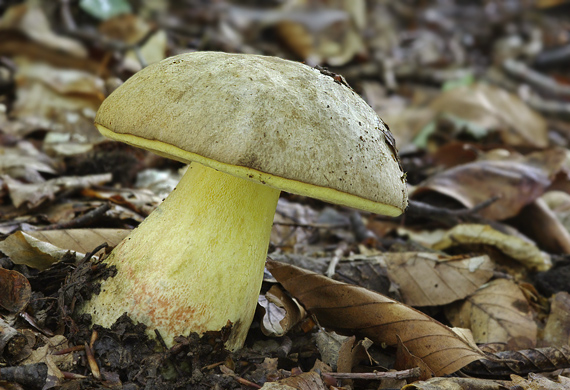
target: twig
<point>338,253</point>
<point>65,351</point>
<point>404,374</point>
<point>447,216</point>
<point>238,378</point>
<point>84,220</point>
<point>539,80</point>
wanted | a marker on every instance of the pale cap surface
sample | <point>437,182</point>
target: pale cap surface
<point>279,122</point>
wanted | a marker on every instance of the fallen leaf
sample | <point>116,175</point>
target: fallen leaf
<point>559,203</point>
<point>557,328</point>
<point>281,312</point>
<point>55,363</point>
<point>517,180</point>
<point>456,384</point>
<point>545,229</point>
<point>538,382</point>
<point>304,381</point>
<point>40,249</point>
<point>523,251</point>
<point>15,290</point>
<point>31,20</point>
<point>329,344</point>
<point>35,194</point>
<point>492,108</point>
<point>497,313</point>
<point>352,352</point>
<point>25,162</point>
<point>429,279</point>
<point>406,360</point>
<point>351,309</point>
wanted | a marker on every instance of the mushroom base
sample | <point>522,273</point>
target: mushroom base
<point>196,262</point>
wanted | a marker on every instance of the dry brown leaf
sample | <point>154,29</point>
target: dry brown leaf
<point>34,194</point>
<point>131,29</point>
<point>517,180</point>
<point>55,363</point>
<point>329,344</point>
<point>281,312</point>
<point>456,384</point>
<point>305,381</point>
<point>492,108</point>
<point>559,203</point>
<point>15,290</point>
<point>557,329</point>
<point>142,200</point>
<point>40,249</point>
<point>524,252</point>
<point>497,313</point>
<point>545,229</point>
<point>25,162</point>
<point>353,309</point>
<point>62,100</point>
<point>537,382</point>
<point>406,360</point>
<point>31,20</point>
<point>429,279</point>
<point>352,352</point>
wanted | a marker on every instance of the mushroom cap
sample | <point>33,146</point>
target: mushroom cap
<point>279,122</point>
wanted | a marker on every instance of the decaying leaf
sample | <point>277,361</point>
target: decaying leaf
<point>40,249</point>
<point>429,279</point>
<point>523,362</point>
<point>517,180</point>
<point>559,203</point>
<point>557,328</point>
<point>281,312</point>
<point>545,229</point>
<point>492,108</point>
<point>59,99</point>
<point>539,382</point>
<point>25,162</point>
<point>55,363</point>
<point>520,250</point>
<point>351,309</point>
<point>497,313</point>
<point>455,383</point>
<point>405,360</point>
<point>12,342</point>
<point>34,194</point>
<point>30,19</point>
<point>353,352</point>
<point>15,290</point>
<point>305,381</point>
<point>329,344</point>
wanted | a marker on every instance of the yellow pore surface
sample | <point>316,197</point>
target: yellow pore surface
<point>195,262</point>
<point>296,187</point>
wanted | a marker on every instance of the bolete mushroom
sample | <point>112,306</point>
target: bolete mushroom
<point>249,126</point>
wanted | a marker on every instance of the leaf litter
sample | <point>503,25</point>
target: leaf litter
<point>476,100</point>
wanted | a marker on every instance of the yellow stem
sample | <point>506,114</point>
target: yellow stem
<point>195,262</point>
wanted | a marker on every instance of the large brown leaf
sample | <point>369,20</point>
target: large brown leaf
<point>430,279</point>
<point>517,180</point>
<point>15,290</point>
<point>352,309</point>
<point>497,313</point>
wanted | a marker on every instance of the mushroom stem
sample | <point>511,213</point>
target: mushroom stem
<point>196,261</point>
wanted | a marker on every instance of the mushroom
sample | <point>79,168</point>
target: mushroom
<point>249,126</point>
